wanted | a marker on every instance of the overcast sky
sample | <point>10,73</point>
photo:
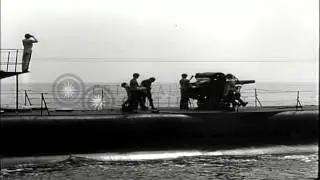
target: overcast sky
<point>106,40</point>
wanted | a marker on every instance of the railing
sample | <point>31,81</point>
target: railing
<point>256,99</point>
<point>26,98</point>
<point>112,98</point>
<point>43,102</point>
<point>11,60</point>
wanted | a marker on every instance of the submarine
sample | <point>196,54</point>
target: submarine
<point>216,122</point>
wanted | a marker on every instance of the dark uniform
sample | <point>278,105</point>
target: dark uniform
<point>147,84</point>
<point>233,92</point>
<point>126,105</point>
<point>136,95</point>
<point>184,100</point>
<point>134,84</point>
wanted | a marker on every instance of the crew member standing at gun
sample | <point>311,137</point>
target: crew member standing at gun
<point>27,51</point>
<point>184,85</point>
<point>147,84</point>
<point>232,92</point>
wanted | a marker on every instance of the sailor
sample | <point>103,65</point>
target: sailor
<point>27,50</point>
<point>147,84</point>
<point>136,93</point>
<point>126,105</point>
<point>133,82</point>
<point>232,92</point>
<point>237,96</point>
<point>184,86</point>
<point>230,84</point>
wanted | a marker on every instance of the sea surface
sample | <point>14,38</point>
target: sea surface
<point>273,162</point>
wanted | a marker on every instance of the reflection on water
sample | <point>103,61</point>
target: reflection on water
<point>176,154</point>
<point>278,162</point>
<point>139,156</point>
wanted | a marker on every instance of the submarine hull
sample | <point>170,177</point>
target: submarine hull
<point>45,135</point>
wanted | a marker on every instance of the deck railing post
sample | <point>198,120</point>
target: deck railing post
<point>8,61</point>
<point>256,101</point>
<point>297,105</point>
<point>45,104</point>
<point>17,93</point>
<point>255,97</point>
<point>101,99</point>
<point>15,67</point>
<point>25,97</point>
<point>41,106</point>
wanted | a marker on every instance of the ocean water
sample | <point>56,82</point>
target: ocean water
<point>95,96</point>
<point>272,162</point>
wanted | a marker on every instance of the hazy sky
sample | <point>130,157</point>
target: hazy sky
<point>265,40</point>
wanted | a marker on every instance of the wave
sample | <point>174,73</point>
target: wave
<point>45,164</point>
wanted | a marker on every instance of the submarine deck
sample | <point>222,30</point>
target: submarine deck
<point>163,110</point>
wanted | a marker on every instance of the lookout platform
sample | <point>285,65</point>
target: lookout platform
<point>11,63</point>
<point>4,74</point>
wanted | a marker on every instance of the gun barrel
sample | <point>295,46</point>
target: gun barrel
<point>245,82</point>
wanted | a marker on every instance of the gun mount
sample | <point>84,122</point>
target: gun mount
<point>215,90</point>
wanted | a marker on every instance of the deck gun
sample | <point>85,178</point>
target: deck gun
<point>241,82</point>
<point>210,89</point>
